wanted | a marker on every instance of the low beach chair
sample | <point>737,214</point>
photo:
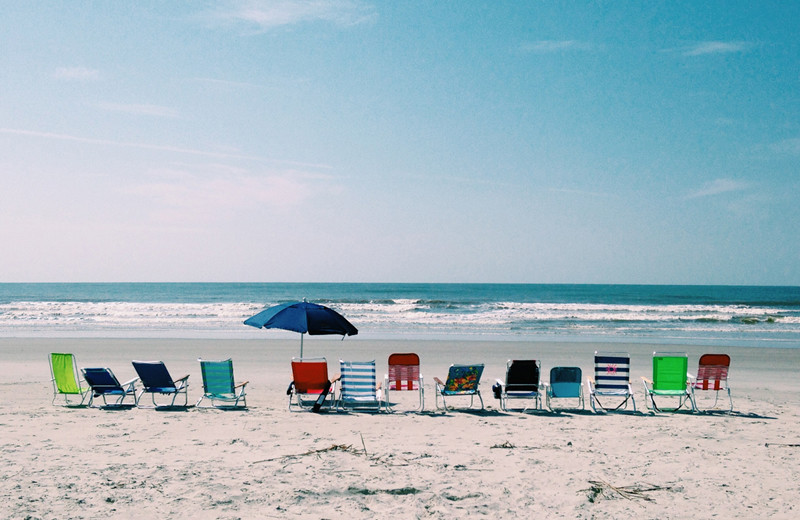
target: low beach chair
<point>220,386</point>
<point>310,387</point>
<point>611,379</point>
<point>404,375</point>
<point>156,380</point>
<point>712,375</point>
<point>462,380</point>
<point>523,381</point>
<point>358,386</point>
<point>670,379</point>
<point>104,383</point>
<point>65,379</point>
<point>565,383</point>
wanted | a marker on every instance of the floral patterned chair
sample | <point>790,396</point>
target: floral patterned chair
<point>462,380</point>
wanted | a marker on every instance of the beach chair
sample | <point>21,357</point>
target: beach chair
<point>670,379</point>
<point>155,379</point>
<point>219,385</point>
<point>712,375</point>
<point>358,386</point>
<point>103,383</point>
<point>310,387</point>
<point>565,383</point>
<point>462,380</point>
<point>611,379</point>
<point>65,379</point>
<point>404,375</point>
<point>523,381</point>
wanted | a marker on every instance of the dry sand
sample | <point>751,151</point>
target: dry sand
<point>196,463</point>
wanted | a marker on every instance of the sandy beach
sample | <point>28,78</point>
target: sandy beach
<point>267,462</point>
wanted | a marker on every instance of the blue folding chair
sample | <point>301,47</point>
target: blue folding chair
<point>156,380</point>
<point>104,383</point>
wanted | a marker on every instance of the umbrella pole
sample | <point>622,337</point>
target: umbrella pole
<point>301,345</point>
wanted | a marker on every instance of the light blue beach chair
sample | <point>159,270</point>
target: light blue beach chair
<point>565,383</point>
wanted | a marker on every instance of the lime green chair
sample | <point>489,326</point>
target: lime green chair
<point>65,379</point>
<point>670,379</point>
<point>219,385</point>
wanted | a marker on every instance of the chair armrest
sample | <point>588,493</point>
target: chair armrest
<point>184,378</point>
<point>646,380</point>
<point>241,384</point>
<point>132,381</point>
<point>438,381</point>
<point>336,378</point>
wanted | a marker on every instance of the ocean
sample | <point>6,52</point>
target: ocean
<point>692,315</point>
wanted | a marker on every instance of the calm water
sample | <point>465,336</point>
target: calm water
<point>725,315</point>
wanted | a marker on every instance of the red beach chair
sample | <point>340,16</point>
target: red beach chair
<point>712,374</point>
<point>310,383</point>
<point>404,375</point>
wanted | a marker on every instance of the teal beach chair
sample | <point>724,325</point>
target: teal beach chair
<point>219,386</point>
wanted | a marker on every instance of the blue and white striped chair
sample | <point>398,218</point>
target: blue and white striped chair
<point>611,379</point>
<point>359,387</point>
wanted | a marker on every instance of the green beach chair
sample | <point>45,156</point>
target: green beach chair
<point>219,385</point>
<point>670,379</point>
<point>65,379</point>
<point>462,380</point>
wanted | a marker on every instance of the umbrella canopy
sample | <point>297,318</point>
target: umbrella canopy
<point>303,317</point>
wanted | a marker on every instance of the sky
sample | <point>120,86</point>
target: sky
<point>416,141</point>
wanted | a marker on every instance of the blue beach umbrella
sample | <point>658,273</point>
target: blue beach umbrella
<point>303,317</point>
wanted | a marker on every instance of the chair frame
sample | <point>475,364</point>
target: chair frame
<point>683,395</point>
<point>712,374</point>
<point>296,398</point>
<point>608,382</point>
<point>235,394</point>
<point>177,387</point>
<point>508,391</point>
<point>580,405</point>
<point>120,390</point>
<point>79,390</point>
<point>403,373</point>
<point>355,377</point>
<point>441,387</point>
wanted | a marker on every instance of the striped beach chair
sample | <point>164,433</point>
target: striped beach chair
<point>219,386</point>
<point>712,375</point>
<point>612,378</point>
<point>359,388</point>
<point>404,375</point>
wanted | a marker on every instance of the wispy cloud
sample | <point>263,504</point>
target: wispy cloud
<point>155,147</point>
<point>718,187</point>
<point>715,47</point>
<point>139,110</point>
<point>787,146</point>
<point>265,14</point>
<point>555,46</point>
<point>76,74</point>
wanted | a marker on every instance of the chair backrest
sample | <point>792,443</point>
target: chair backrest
<point>669,371</point>
<point>404,371</point>
<point>611,371</point>
<point>523,375</point>
<point>712,371</point>
<point>217,376</point>
<point>358,379</point>
<point>65,373</point>
<point>310,375</point>
<point>463,378</point>
<point>565,381</point>
<point>102,380</point>
<point>153,374</point>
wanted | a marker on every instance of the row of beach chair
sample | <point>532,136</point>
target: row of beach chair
<point>357,385</point>
<point>153,378</point>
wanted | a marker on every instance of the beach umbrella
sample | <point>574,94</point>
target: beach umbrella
<point>303,317</point>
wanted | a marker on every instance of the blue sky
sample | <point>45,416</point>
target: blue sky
<point>447,141</point>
